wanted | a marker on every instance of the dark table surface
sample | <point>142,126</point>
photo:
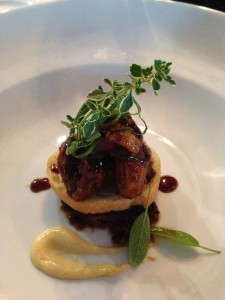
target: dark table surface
<point>215,4</point>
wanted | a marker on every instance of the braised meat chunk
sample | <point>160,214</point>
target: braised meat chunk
<point>119,151</point>
<point>131,173</point>
<point>81,176</point>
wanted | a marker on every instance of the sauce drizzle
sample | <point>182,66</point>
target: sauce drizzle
<point>168,184</point>
<point>40,184</point>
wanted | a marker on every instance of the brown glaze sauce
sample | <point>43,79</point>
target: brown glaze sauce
<point>168,184</point>
<point>39,185</point>
<point>54,169</point>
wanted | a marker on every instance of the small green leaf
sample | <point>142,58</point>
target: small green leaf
<point>88,129</point>
<point>128,85</point>
<point>67,124</point>
<point>72,131</point>
<point>72,147</point>
<point>126,103</point>
<point>117,85</point>
<point>87,151</point>
<point>139,90</point>
<point>108,81</point>
<point>157,64</point>
<point>93,137</point>
<point>135,70</point>
<point>105,112</point>
<point>105,102</point>
<point>94,117</point>
<point>83,110</point>
<point>170,80</point>
<point>139,239</point>
<point>147,71</point>
<point>155,85</point>
<point>97,95</point>
<point>179,237</point>
<point>91,105</point>
<point>69,118</point>
<point>114,106</point>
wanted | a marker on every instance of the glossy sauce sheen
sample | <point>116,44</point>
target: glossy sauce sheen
<point>54,169</point>
<point>40,184</point>
<point>168,184</point>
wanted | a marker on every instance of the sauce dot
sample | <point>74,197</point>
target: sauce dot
<point>54,169</point>
<point>168,184</point>
<point>39,184</point>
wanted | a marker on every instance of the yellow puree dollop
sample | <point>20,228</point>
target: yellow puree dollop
<point>54,253</point>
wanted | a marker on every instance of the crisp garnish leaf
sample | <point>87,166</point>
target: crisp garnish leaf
<point>139,239</point>
<point>179,237</point>
<point>101,106</point>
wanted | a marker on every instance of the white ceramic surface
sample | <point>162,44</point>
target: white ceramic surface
<point>50,57</point>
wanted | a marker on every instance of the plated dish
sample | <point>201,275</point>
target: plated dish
<point>55,63</point>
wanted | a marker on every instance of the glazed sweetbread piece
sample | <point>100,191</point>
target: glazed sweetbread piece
<point>105,201</point>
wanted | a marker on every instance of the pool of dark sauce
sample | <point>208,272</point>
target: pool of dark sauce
<point>39,185</point>
<point>168,184</point>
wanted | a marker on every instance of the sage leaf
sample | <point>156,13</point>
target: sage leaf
<point>179,237</point>
<point>139,239</point>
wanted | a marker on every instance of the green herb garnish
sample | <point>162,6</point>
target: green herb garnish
<point>111,105</point>
<point>179,237</point>
<point>140,235</point>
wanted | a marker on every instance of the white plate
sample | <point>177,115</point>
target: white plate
<point>51,56</point>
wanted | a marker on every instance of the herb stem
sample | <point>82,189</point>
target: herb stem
<point>148,199</point>
<point>209,249</point>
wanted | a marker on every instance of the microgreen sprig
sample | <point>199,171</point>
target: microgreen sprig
<point>113,104</point>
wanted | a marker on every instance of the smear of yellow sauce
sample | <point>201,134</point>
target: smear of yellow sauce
<point>55,252</point>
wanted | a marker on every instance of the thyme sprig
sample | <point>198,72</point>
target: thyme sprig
<point>113,104</point>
